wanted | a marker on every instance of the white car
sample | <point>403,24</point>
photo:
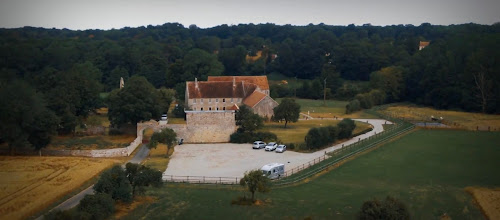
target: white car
<point>271,146</point>
<point>259,145</point>
<point>281,148</point>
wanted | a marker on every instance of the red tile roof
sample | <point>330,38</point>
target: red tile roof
<point>219,89</point>
<point>260,81</point>
<point>254,98</point>
<point>424,43</point>
<point>234,107</point>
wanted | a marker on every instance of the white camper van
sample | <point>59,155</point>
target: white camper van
<point>273,170</point>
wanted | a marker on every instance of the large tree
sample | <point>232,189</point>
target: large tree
<point>25,119</point>
<point>115,183</point>
<point>166,136</point>
<point>141,176</point>
<point>247,120</point>
<point>390,80</point>
<point>390,209</point>
<point>254,181</point>
<point>137,101</point>
<point>288,110</point>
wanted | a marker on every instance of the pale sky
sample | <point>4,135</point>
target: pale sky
<point>108,14</point>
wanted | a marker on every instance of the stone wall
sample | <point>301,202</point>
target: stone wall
<point>208,127</point>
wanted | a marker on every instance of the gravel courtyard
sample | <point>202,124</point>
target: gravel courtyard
<point>232,160</point>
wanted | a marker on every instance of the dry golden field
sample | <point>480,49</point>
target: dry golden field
<point>488,200</point>
<point>467,120</point>
<point>30,184</point>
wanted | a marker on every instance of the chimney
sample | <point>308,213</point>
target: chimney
<point>196,83</point>
<point>234,82</point>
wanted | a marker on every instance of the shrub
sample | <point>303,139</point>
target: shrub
<point>98,206</point>
<point>248,137</point>
<point>353,106</point>
<point>115,131</point>
<point>346,126</point>
<point>115,183</point>
<point>391,209</point>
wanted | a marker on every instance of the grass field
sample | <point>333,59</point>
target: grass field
<point>295,132</point>
<point>428,170</point>
<point>317,109</point>
<point>468,120</point>
<point>157,157</point>
<point>29,184</point>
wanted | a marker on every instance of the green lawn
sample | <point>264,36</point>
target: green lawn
<point>318,109</point>
<point>295,132</point>
<point>427,170</point>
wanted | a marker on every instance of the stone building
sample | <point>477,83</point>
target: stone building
<point>223,93</point>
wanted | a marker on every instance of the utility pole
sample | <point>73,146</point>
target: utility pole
<point>324,92</point>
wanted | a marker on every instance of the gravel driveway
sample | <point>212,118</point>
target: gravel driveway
<point>232,160</point>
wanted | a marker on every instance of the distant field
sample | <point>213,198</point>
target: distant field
<point>30,184</point>
<point>317,109</point>
<point>466,119</point>
<point>295,132</point>
<point>428,170</point>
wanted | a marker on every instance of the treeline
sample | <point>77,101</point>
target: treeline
<point>457,70</point>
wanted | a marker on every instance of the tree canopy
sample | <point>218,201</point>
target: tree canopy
<point>137,101</point>
<point>288,110</point>
<point>254,181</point>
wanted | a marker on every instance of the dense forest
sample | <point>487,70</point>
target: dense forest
<point>67,70</point>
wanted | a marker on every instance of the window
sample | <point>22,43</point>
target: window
<point>216,100</point>
<point>194,109</point>
<point>231,100</point>
<point>201,109</point>
<point>194,101</point>
<point>223,100</point>
<point>201,100</point>
<point>223,108</point>
<point>210,100</point>
<point>217,108</point>
<point>209,108</point>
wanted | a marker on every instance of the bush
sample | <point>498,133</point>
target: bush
<point>346,126</point>
<point>248,137</point>
<point>115,131</point>
<point>390,209</point>
<point>115,183</point>
<point>98,206</point>
<point>178,111</point>
<point>353,106</point>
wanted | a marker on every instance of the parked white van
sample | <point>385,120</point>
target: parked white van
<point>273,170</point>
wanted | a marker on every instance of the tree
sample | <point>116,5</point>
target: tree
<point>333,80</point>
<point>141,176</point>
<point>389,80</point>
<point>114,182</point>
<point>98,206</point>
<point>353,106</point>
<point>166,136</point>
<point>200,64</point>
<point>390,209</point>
<point>166,97</point>
<point>233,59</point>
<point>137,101</point>
<point>25,119</point>
<point>288,110</point>
<point>247,120</point>
<point>255,182</point>
<point>346,126</point>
